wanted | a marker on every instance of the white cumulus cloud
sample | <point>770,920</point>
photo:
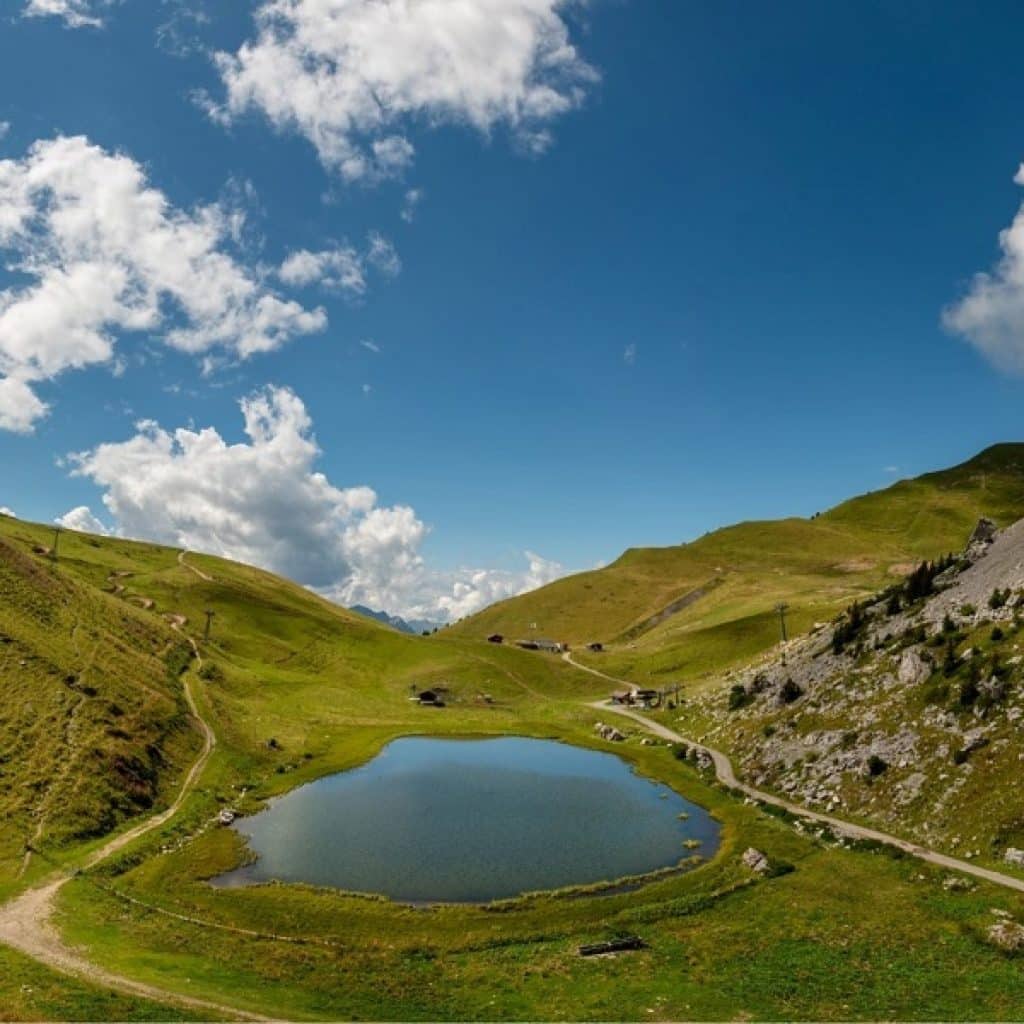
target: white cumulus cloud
<point>5,511</point>
<point>353,75</point>
<point>262,501</point>
<point>103,252</point>
<point>991,314</point>
<point>82,520</point>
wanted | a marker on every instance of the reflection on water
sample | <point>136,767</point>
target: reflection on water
<point>472,820</point>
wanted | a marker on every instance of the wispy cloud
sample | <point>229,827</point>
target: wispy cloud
<point>74,13</point>
<point>342,268</point>
<point>629,354</point>
<point>369,343</point>
<point>410,204</point>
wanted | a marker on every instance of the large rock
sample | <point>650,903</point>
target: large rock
<point>1014,856</point>
<point>913,669</point>
<point>1007,935</point>
<point>609,732</point>
<point>755,860</point>
<point>984,533</point>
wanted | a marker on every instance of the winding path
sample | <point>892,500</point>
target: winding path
<point>26,922</point>
<point>725,774</point>
<point>188,565</point>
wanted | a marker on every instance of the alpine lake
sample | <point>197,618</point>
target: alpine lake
<point>471,821</point>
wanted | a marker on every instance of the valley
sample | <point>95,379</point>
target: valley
<point>118,801</point>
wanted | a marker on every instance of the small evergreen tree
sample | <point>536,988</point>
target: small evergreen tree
<point>919,582</point>
<point>949,663</point>
<point>968,692</point>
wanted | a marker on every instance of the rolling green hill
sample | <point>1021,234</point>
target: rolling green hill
<point>94,728</point>
<point>295,688</point>
<point>696,608</point>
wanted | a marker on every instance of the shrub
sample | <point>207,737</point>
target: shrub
<point>968,693</point>
<point>999,598</point>
<point>915,634</point>
<point>936,693</point>
<point>894,605</point>
<point>211,672</point>
<point>876,766</point>
<point>960,756</point>
<point>967,609</point>
<point>790,692</point>
<point>997,634</point>
<point>738,697</point>
<point>948,625</point>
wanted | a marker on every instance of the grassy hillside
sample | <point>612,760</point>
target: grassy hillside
<point>93,726</point>
<point>729,581</point>
<point>295,688</point>
<point>94,729</point>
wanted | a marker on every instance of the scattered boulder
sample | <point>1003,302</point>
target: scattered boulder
<point>1007,935</point>
<point>1014,856</point>
<point>609,732</point>
<point>226,816</point>
<point>913,669</point>
<point>755,860</point>
<point>956,883</point>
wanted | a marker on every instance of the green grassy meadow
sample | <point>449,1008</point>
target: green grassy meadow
<point>296,687</point>
<point>817,566</point>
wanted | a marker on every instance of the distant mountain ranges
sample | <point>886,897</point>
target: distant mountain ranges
<point>415,626</point>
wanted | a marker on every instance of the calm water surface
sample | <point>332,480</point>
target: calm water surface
<point>472,820</point>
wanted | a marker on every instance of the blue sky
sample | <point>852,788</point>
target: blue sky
<point>693,272</point>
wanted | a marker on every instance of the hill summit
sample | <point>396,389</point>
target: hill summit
<point>694,608</point>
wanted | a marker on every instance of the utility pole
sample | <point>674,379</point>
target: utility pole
<point>209,618</point>
<point>782,608</point>
<point>56,541</point>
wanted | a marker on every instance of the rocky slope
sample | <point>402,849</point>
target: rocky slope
<point>907,710</point>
